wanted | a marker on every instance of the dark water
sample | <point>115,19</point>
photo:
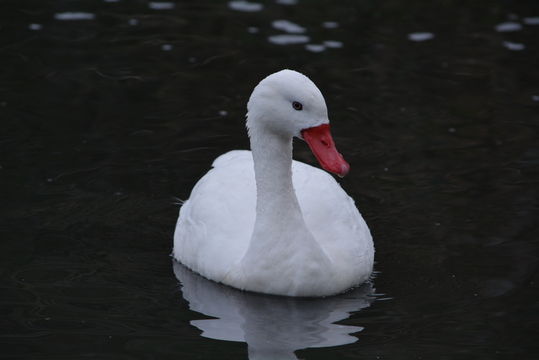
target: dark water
<point>106,120</point>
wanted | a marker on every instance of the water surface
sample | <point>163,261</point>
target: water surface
<point>111,110</point>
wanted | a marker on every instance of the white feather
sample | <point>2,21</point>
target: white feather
<point>320,248</point>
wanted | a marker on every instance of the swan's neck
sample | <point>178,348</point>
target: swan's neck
<point>277,207</point>
<point>281,244</point>
<point>272,155</point>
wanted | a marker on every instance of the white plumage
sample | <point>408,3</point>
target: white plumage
<point>289,230</point>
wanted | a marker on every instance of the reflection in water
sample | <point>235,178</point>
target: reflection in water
<point>315,47</point>
<point>74,16</point>
<point>164,5</point>
<point>333,44</point>
<point>273,327</point>
<point>35,27</point>
<point>287,2</point>
<point>245,6</point>
<point>513,46</point>
<point>288,26</point>
<point>420,36</point>
<point>287,39</point>
<point>330,24</point>
<point>509,26</point>
<point>531,20</point>
<point>166,47</point>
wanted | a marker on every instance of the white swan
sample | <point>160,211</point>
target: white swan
<point>260,221</point>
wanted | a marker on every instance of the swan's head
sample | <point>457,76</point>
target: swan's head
<point>289,104</point>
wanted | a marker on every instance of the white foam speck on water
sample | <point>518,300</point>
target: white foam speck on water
<point>508,26</point>
<point>223,112</point>
<point>161,5</point>
<point>245,6</point>
<point>288,39</point>
<point>534,20</point>
<point>35,27</point>
<point>535,98</point>
<point>513,46</point>
<point>420,36</point>
<point>315,48</point>
<point>288,26</point>
<point>334,44</point>
<point>166,47</point>
<point>287,2</point>
<point>330,24</point>
<point>72,15</point>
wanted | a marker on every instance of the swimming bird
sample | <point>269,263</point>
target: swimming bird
<point>260,221</point>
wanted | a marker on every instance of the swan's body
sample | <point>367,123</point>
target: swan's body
<point>259,221</point>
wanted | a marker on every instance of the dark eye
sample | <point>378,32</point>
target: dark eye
<point>297,105</point>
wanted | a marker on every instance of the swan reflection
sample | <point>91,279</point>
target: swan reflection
<point>273,327</point>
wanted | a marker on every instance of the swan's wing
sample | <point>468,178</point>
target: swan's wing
<point>334,220</point>
<point>215,224</point>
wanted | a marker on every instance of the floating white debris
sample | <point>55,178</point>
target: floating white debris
<point>315,47</point>
<point>509,26</point>
<point>535,98</point>
<point>161,5</point>
<point>420,36</point>
<point>452,130</point>
<point>252,30</point>
<point>513,46</point>
<point>288,26</point>
<point>133,22</point>
<point>531,20</point>
<point>287,2</point>
<point>245,6</point>
<point>330,24</point>
<point>223,112</point>
<point>166,47</point>
<point>74,16</point>
<point>288,39</point>
<point>333,44</point>
<point>35,27</point>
